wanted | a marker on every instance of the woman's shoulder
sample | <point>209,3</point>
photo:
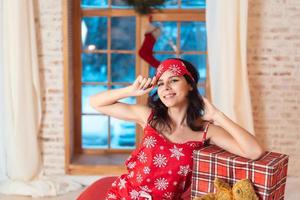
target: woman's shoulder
<point>202,123</point>
<point>213,129</point>
<point>207,126</point>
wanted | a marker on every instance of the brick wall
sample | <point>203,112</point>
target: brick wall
<point>50,37</point>
<point>274,71</point>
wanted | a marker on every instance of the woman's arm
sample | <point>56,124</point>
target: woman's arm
<point>107,102</point>
<point>230,136</point>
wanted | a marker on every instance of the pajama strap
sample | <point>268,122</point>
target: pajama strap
<point>205,132</point>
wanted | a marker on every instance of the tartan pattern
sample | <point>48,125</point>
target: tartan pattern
<point>268,174</point>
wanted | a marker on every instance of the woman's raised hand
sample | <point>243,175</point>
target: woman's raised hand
<point>142,85</point>
<point>210,110</point>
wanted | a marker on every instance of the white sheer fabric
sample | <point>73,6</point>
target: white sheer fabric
<point>22,107</point>
<point>2,124</point>
<point>44,186</point>
<point>21,92</point>
<point>227,49</point>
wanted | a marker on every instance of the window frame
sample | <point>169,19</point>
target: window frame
<point>78,66</point>
<point>84,161</point>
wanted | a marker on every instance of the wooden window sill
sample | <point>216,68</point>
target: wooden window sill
<point>86,164</point>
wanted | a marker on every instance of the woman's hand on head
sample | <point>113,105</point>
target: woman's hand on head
<point>142,85</point>
<point>210,110</point>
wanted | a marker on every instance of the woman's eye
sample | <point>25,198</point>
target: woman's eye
<point>174,80</point>
<point>159,84</point>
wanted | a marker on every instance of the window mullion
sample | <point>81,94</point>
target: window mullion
<point>109,72</point>
<point>178,50</point>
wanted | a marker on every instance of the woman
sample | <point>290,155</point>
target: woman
<point>176,121</point>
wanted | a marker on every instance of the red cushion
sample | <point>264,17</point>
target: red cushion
<point>99,188</point>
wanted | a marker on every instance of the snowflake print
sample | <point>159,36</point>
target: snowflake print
<point>150,142</point>
<point>160,160</point>
<point>122,183</point>
<point>176,152</point>
<point>131,165</point>
<point>183,64</point>
<point>134,194</point>
<point>175,69</point>
<point>193,145</point>
<point>168,195</point>
<point>142,157</point>
<point>131,174</point>
<point>184,170</point>
<point>139,178</point>
<point>146,170</point>
<point>114,184</point>
<point>111,196</point>
<point>160,70</point>
<point>161,183</point>
<point>145,188</point>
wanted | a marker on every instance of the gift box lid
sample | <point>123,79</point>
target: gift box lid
<point>268,160</point>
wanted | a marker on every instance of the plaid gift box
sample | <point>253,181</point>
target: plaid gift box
<point>268,174</point>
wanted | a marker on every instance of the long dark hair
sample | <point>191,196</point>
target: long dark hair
<point>195,110</point>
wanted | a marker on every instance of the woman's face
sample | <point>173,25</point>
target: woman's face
<point>173,90</point>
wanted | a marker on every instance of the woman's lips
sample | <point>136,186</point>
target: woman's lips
<point>167,96</point>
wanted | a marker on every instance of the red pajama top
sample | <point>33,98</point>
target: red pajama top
<point>158,168</point>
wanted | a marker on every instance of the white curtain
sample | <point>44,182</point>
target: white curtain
<point>3,170</point>
<point>227,48</point>
<point>21,158</point>
<point>22,90</point>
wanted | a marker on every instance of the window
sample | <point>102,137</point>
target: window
<point>104,62</point>
<point>103,39</point>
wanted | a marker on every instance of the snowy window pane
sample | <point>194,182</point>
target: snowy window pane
<point>94,131</point>
<point>87,91</point>
<point>123,33</point>
<point>193,4</point>
<point>122,134</point>
<point>167,39</point>
<point>123,67</point>
<point>193,36</point>
<point>94,67</point>
<point>94,3</point>
<point>94,33</point>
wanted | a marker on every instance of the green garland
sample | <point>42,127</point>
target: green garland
<point>144,7</point>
